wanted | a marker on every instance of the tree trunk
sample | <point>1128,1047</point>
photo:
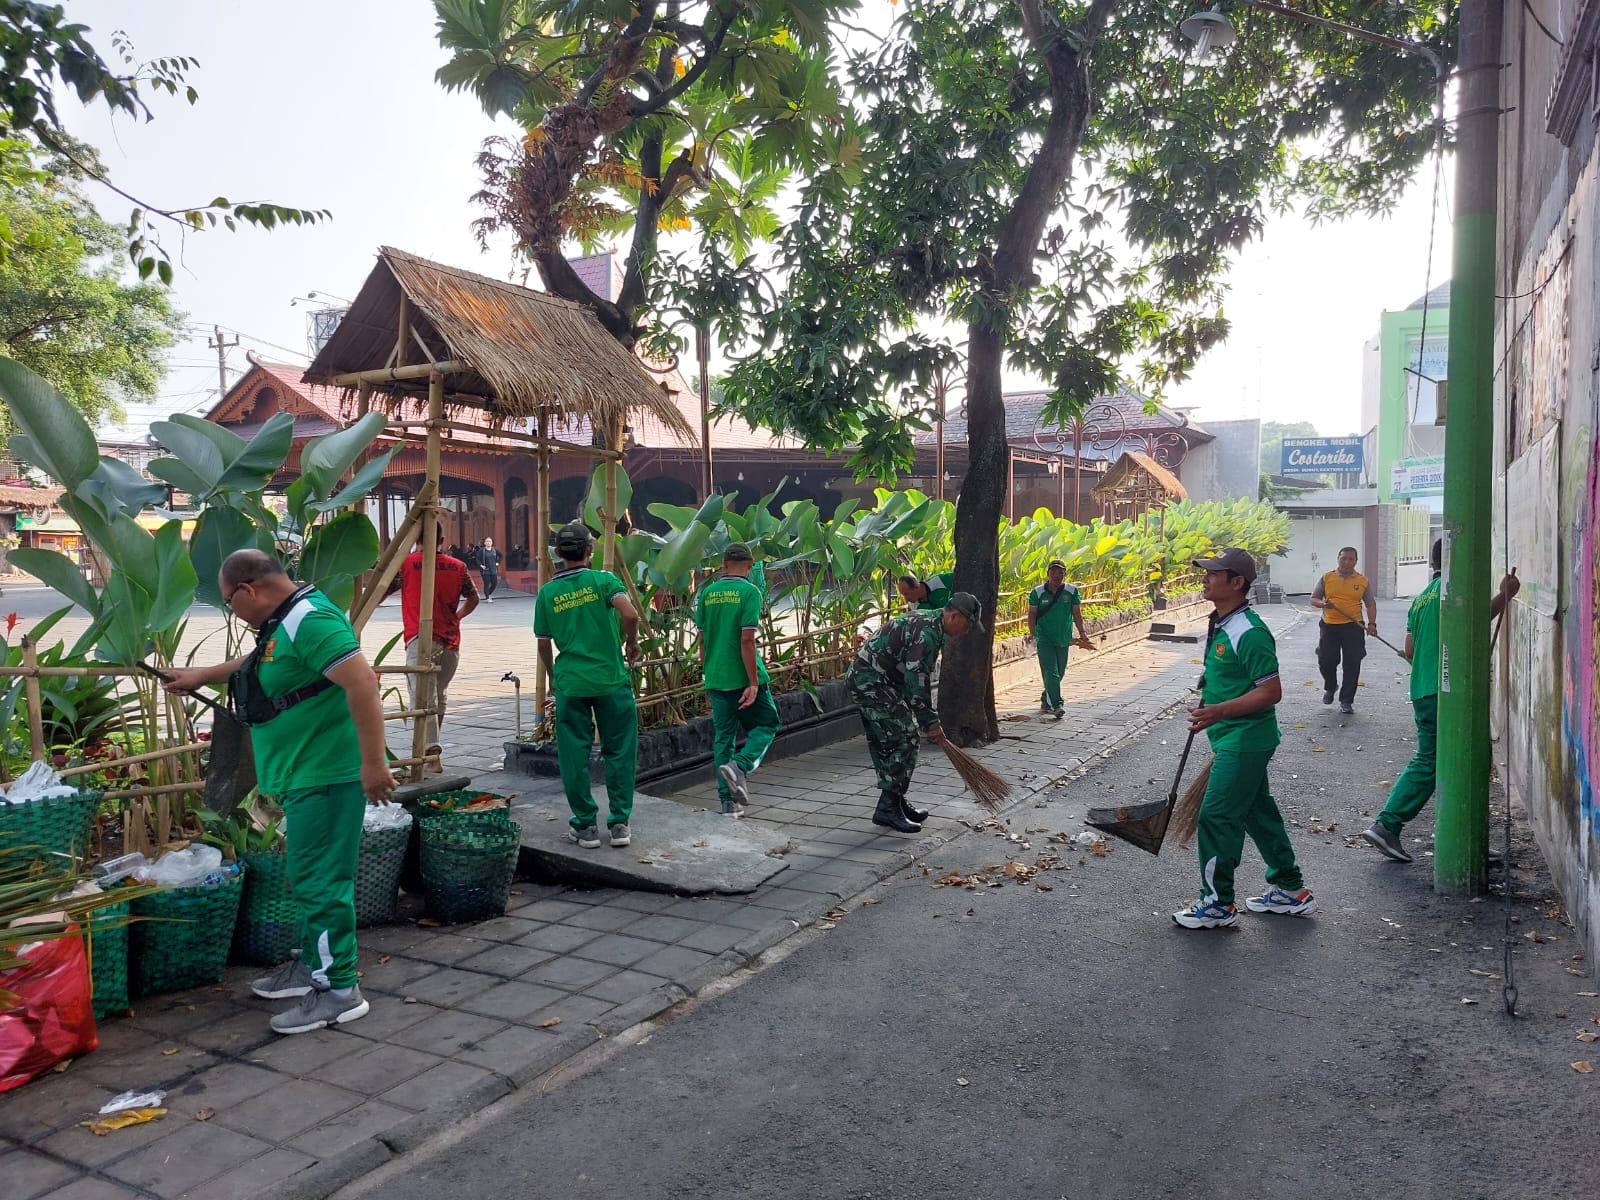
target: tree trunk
<point>967,711</point>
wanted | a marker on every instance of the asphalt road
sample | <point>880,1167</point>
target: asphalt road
<point>1012,1042</point>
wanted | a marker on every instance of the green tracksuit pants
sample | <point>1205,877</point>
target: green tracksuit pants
<point>1052,666</point>
<point>1414,788</point>
<point>760,725</point>
<point>616,716</point>
<point>323,842</point>
<point>1238,801</point>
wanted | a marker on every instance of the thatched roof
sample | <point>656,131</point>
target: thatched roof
<point>26,498</point>
<point>525,352</point>
<point>1125,470</point>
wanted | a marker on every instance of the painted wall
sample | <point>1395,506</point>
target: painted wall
<point>1407,406</point>
<point>1546,702</point>
<point>1229,467</point>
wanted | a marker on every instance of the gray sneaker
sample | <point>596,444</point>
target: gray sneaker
<point>320,1008</point>
<point>1386,841</point>
<point>588,837</point>
<point>732,774</point>
<point>291,979</point>
<point>732,808</point>
<point>1346,707</point>
<point>620,836</point>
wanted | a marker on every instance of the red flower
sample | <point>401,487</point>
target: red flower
<point>11,623</point>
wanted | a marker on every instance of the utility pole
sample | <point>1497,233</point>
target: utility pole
<point>1461,831</point>
<point>221,345</point>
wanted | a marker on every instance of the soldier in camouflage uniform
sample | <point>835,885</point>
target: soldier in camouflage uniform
<point>891,681</point>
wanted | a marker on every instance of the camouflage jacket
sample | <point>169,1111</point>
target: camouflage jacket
<point>899,660</point>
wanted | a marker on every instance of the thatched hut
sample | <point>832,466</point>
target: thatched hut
<point>1134,485</point>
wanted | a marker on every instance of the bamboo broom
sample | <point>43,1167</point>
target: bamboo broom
<point>988,788</point>
<point>1186,814</point>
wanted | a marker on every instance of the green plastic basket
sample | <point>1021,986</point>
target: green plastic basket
<point>269,919</point>
<point>61,825</point>
<point>411,873</point>
<point>467,869</point>
<point>108,959</point>
<point>383,855</point>
<point>184,940</point>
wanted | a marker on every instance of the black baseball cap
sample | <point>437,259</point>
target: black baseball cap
<point>1056,562</point>
<point>573,537</point>
<point>737,552</point>
<point>1230,558</point>
<point>968,606</point>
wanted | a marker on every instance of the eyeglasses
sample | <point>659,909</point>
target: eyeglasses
<point>228,599</point>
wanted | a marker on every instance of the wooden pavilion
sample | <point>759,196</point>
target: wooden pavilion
<point>427,344</point>
<point>1134,485</point>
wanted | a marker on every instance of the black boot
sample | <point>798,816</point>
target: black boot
<point>919,815</point>
<point>888,815</point>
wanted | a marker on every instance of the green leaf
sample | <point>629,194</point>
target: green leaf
<point>201,453</point>
<point>361,483</point>
<point>59,572</point>
<point>344,546</point>
<point>597,495</point>
<point>176,586</point>
<point>54,437</point>
<point>326,459</point>
<point>263,456</point>
<point>181,476</point>
<point>115,487</point>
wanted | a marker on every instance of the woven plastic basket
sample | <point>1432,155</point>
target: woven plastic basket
<point>383,854</point>
<point>57,825</point>
<point>467,869</point>
<point>108,959</point>
<point>184,941</point>
<point>411,873</point>
<point>269,920</point>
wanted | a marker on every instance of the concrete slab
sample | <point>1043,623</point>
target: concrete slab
<point>675,849</point>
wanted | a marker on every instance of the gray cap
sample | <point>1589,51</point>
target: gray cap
<point>737,552</point>
<point>968,606</point>
<point>573,537</point>
<point>1230,558</point>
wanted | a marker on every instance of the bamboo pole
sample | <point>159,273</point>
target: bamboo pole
<point>158,791</point>
<point>30,686</point>
<point>398,374</point>
<point>430,549</point>
<point>506,435</point>
<point>384,570</point>
<point>113,764</point>
<point>608,518</point>
<point>402,341</point>
<point>542,565</point>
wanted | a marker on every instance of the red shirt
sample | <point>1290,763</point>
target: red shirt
<point>450,585</point>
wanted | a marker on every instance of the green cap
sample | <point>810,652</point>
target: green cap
<point>573,537</point>
<point>968,606</point>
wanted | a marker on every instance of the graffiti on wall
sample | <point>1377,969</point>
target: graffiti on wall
<point>1581,703</point>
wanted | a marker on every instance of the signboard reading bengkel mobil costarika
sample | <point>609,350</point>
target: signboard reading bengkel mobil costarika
<point>1322,456</point>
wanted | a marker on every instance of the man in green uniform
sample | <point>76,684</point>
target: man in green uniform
<point>926,595</point>
<point>1238,692</point>
<point>1414,788</point>
<point>1054,607</point>
<point>891,682</point>
<point>317,729</point>
<point>578,613</point>
<point>728,613</point>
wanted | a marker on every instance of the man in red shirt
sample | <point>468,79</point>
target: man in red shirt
<point>453,598</point>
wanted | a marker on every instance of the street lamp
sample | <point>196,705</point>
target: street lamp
<point>1461,831</point>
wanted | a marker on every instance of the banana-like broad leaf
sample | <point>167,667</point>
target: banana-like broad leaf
<point>325,459</point>
<point>597,496</point>
<point>59,572</point>
<point>341,589</point>
<point>54,436</point>
<point>181,476</point>
<point>131,549</point>
<point>219,532</point>
<point>345,546</point>
<point>677,516</point>
<point>361,483</point>
<point>263,456</point>
<point>198,450</point>
<point>176,579</point>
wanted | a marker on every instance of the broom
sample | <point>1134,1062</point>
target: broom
<point>987,787</point>
<point>1186,815</point>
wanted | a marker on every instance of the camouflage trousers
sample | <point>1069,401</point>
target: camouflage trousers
<point>892,737</point>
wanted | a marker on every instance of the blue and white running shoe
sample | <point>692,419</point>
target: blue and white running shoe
<point>1206,916</point>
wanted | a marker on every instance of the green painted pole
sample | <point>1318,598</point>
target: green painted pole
<point>1461,833</point>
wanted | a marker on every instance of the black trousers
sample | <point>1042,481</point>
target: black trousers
<point>491,580</point>
<point>1348,642</point>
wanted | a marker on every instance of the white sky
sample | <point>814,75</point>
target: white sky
<point>333,105</point>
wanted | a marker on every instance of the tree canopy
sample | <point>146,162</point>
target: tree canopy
<point>65,310</point>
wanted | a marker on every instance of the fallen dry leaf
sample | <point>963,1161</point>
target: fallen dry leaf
<point>409,1000</point>
<point>382,958</point>
<point>1468,1000</point>
<point>169,1053</point>
<point>550,1024</point>
<point>705,842</point>
<point>1043,887</point>
<point>1583,1067</point>
<point>204,1114</point>
<point>430,923</point>
<point>1484,974</point>
<point>61,1066</point>
<point>826,925</point>
<point>1588,1035</point>
<point>1575,971</point>
<point>961,1081</point>
<point>122,1120</point>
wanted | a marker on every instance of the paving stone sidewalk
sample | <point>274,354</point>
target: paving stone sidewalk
<point>463,1016</point>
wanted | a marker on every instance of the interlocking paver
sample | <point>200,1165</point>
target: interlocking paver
<point>287,1110</point>
<point>88,1188</point>
<point>559,939</point>
<point>606,920</point>
<point>624,986</point>
<point>619,949</point>
<point>330,1137</point>
<point>447,1031</point>
<point>506,961</point>
<point>28,1172</point>
<point>197,1152</point>
<point>511,1001</point>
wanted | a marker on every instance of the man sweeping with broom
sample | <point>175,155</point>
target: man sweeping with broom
<point>891,682</point>
<point>1238,692</point>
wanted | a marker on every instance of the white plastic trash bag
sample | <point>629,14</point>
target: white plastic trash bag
<point>386,816</point>
<point>182,868</point>
<point>38,782</point>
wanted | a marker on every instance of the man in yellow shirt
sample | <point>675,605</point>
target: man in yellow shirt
<point>1340,595</point>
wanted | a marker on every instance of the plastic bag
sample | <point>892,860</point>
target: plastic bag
<point>182,868</point>
<point>54,1019</point>
<point>386,816</point>
<point>38,782</point>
